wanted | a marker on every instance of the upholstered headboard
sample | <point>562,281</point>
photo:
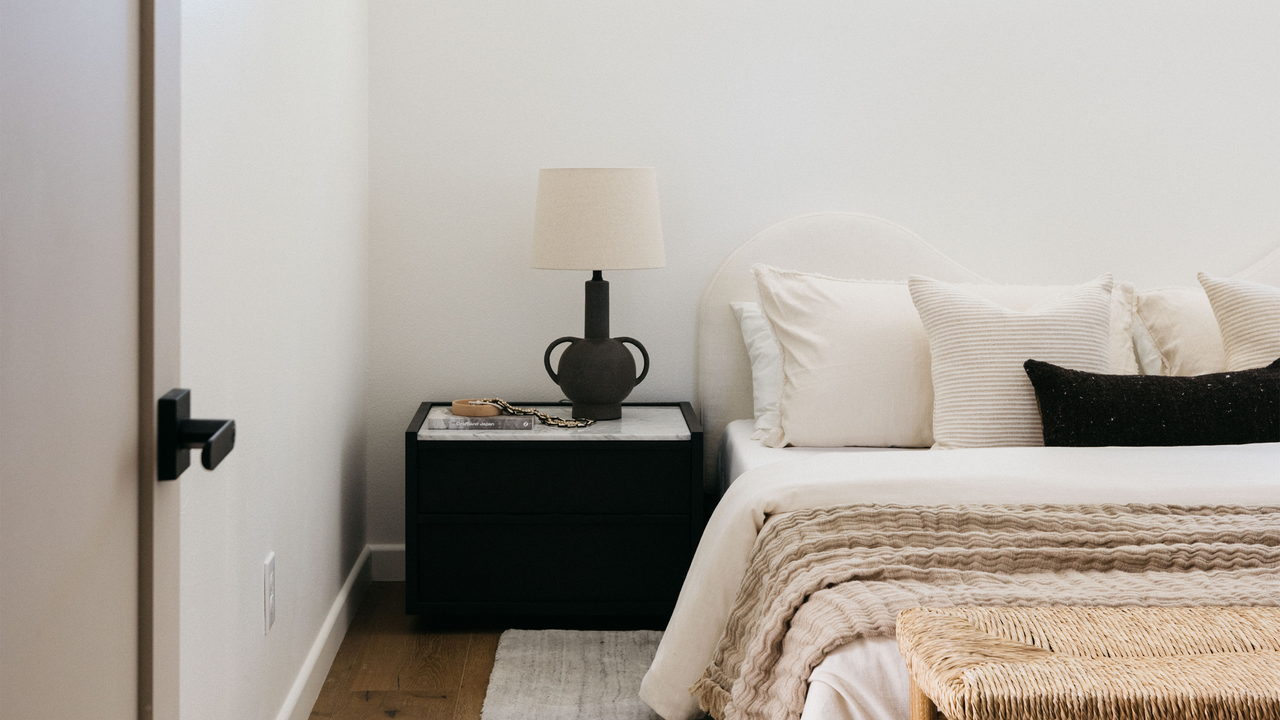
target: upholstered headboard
<point>840,244</point>
<point>1266,270</point>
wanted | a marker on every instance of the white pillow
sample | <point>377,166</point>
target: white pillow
<point>1175,333</point>
<point>1248,315</point>
<point>863,341</point>
<point>982,397</point>
<point>855,361</point>
<point>1124,356</point>
<point>766,365</point>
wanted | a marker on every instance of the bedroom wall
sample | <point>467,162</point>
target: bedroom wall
<point>274,285</point>
<point>1032,142</point>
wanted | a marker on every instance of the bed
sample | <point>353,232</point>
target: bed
<point>866,679</point>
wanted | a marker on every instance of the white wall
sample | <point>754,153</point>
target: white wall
<point>274,287</point>
<point>1034,142</point>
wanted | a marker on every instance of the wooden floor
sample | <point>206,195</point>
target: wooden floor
<point>389,667</point>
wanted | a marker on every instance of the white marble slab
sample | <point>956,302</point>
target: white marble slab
<point>636,423</point>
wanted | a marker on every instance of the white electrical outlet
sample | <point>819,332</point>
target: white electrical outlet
<point>269,593</point>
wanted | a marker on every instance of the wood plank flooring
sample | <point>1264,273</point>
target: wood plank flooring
<point>390,667</point>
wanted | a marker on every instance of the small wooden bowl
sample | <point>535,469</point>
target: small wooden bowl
<point>466,409</point>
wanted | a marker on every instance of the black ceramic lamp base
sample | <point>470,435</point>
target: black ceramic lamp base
<point>597,372</point>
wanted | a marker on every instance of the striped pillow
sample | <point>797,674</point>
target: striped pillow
<point>1249,318</point>
<point>981,395</point>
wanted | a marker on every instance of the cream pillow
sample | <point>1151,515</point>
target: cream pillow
<point>982,397</point>
<point>1248,315</point>
<point>1175,333</point>
<point>1124,356</point>
<point>856,360</point>
<point>766,365</point>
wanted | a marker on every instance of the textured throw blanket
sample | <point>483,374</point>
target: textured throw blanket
<point>821,578</point>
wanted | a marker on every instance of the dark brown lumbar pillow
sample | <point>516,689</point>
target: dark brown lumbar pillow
<point>1083,409</point>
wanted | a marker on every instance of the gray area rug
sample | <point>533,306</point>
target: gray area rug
<point>570,675</point>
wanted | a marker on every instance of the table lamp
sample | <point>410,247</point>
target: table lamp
<point>597,219</point>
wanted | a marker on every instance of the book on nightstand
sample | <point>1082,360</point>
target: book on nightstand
<point>448,421</point>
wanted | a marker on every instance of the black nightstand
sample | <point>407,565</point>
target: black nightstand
<point>552,527</point>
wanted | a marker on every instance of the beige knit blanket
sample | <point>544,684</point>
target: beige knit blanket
<point>818,579</point>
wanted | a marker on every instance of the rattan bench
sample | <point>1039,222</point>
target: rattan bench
<point>1092,663</point>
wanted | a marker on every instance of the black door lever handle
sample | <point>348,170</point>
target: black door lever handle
<point>177,434</point>
<point>217,437</point>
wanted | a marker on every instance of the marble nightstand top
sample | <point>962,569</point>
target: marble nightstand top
<point>636,423</point>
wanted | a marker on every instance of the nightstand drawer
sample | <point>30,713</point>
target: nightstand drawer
<point>552,559</point>
<point>554,477</point>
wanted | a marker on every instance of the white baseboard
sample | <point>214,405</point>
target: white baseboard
<point>388,563</point>
<point>306,687</point>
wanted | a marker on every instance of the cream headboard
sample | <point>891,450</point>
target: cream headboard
<point>1266,270</point>
<point>840,244</point>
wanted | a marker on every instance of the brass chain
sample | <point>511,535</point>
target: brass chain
<point>544,418</point>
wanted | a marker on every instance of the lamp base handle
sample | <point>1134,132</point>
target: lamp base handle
<point>546,358</point>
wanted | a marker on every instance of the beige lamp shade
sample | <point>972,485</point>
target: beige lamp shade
<point>597,219</point>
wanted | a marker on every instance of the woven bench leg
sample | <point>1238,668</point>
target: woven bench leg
<point>922,708</point>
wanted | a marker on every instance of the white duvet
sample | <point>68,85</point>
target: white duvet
<point>1234,474</point>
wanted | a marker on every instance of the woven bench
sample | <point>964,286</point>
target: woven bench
<point>1092,663</point>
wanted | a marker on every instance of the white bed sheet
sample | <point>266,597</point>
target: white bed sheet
<point>739,453</point>
<point>866,679</point>
<point>1244,474</point>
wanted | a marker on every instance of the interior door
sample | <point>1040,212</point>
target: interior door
<point>88,341</point>
<point>69,359</point>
